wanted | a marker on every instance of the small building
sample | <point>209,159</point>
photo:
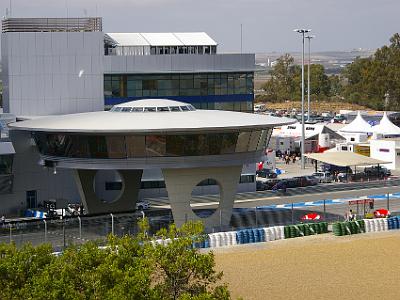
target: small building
<point>388,150</point>
<point>318,138</point>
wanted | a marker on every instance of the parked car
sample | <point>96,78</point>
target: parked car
<point>325,177</point>
<point>266,173</point>
<point>378,171</point>
<point>263,184</point>
<point>142,205</point>
<point>311,180</point>
<point>281,185</point>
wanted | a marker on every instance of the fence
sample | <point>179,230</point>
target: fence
<point>63,232</point>
<point>76,230</point>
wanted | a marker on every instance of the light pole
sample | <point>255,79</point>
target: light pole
<point>302,32</point>
<point>309,37</point>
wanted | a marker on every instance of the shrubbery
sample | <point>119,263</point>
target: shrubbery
<point>127,268</point>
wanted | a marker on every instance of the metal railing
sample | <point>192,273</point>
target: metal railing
<point>63,232</point>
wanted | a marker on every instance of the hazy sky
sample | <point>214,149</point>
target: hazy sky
<point>267,24</point>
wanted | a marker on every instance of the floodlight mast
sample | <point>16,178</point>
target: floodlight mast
<point>302,32</point>
<point>309,37</point>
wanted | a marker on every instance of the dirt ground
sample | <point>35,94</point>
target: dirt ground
<point>364,266</point>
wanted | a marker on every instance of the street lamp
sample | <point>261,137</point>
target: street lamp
<point>309,37</point>
<point>302,32</point>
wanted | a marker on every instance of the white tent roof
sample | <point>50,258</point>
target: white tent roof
<point>345,159</point>
<point>163,39</point>
<point>359,125</point>
<point>129,39</point>
<point>386,127</point>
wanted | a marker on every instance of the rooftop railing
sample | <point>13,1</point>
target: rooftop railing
<point>52,24</point>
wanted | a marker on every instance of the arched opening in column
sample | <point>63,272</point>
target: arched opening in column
<point>108,185</point>
<point>205,198</point>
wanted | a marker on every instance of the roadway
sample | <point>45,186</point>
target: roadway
<point>293,195</point>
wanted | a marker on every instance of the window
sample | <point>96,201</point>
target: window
<point>97,147</point>
<point>155,145</point>
<point>255,136</point>
<point>247,179</point>
<point>149,84</point>
<point>229,141</point>
<point>113,186</point>
<point>195,84</point>
<point>135,146</point>
<point>156,184</point>
<point>174,145</point>
<point>162,109</point>
<point>352,139</point>
<point>243,141</point>
<point>116,146</point>
<point>384,150</point>
<point>31,199</point>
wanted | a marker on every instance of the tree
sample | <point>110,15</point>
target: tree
<point>127,268</point>
<point>285,81</point>
<point>375,81</point>
<point>281,86</point>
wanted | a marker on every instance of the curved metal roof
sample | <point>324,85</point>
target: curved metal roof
<point>151,122</point>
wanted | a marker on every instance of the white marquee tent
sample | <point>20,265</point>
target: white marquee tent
<point>359,125</point>
<point>386,127</point>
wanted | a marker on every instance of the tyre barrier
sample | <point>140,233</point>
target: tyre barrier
<point>350,227</point>
<point>393,223</point>
<point>300,230</point>
<point>374,225</point>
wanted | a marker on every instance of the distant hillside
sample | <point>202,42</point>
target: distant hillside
<point>320,106</point>
<point>333,61</point>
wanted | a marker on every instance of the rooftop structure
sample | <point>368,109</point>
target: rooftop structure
<point>159,43</point>
<point>51,24</point>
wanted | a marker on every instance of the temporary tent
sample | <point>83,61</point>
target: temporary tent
<point>386,127</point>
<point>359,125</point>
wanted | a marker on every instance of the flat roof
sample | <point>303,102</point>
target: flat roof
<point>345,159</point>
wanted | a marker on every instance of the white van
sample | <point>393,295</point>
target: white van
<point>325,177</point>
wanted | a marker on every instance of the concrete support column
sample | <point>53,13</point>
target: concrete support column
<point>181,182</point>
<point>125,201</point>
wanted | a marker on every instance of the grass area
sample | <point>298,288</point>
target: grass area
<point>364,266</point>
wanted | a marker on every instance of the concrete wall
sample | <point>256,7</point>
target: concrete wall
<point>52,73</point>
<point>29,175</point>
<point>178,63</point>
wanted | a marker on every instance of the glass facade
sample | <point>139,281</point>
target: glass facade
<point>130,146</point>
<point>185,85</point>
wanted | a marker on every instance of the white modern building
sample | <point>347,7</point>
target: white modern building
<point>190,146</point>
<point>58,66</point>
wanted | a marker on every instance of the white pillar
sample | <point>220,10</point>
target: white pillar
<point>181,182</point>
